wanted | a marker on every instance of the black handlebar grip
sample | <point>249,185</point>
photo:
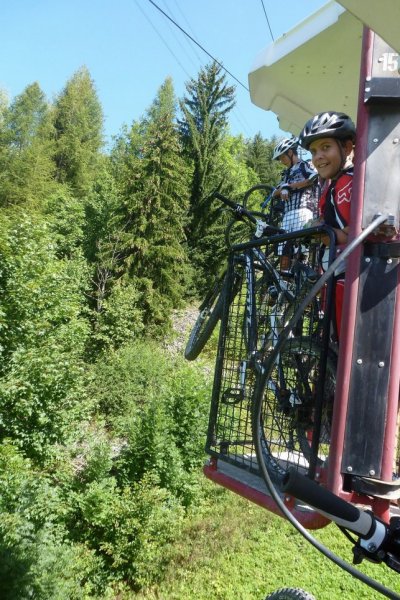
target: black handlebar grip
<point>338,510</point>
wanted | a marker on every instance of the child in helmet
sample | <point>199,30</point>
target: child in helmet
<point>297,190</point>
<point>330,136</point>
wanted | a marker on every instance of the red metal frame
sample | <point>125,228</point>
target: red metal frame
<point>335,480</point>
<point>309,519</point>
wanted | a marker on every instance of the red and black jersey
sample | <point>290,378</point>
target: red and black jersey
<point>335,201</point>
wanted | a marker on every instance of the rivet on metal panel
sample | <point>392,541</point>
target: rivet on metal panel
<point>396,140</point>
<point>375,140</point>
<point>367,260</point>
<point>367,89</point>
<point>372,473</point>
<point>349,469</point>
<point>381,364</point>
<point>359,361</point>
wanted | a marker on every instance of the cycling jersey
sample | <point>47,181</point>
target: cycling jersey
<point>334,207</point>
<point>306,197</point>
<point>335,201</point>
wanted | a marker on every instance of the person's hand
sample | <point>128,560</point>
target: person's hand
<point>285,191</point>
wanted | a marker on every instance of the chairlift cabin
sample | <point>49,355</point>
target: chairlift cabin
<point>344,58</point>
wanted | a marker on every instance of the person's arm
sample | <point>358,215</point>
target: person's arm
<point>341,235</point>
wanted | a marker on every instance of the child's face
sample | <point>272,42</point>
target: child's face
<point>326,157</point>
<point>285,160</point>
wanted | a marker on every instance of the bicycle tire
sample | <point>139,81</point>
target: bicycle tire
<point>210,312</point>
<point>290,594</point>
<point>285,426</point>
<point>238,232</point>
<point>305,427</point>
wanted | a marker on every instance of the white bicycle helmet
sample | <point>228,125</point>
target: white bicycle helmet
<point>284,145</point>
<point>327,124</point>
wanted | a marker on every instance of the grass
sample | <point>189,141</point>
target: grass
<point>234,550</point>
<point>237,550</point>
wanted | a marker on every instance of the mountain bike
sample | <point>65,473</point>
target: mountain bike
<point>241,227</point>
<point>258,301</point>
<point>295,420</point>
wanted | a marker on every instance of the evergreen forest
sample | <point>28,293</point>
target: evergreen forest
<point>102,428</point>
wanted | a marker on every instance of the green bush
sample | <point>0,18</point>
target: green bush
<point>129,527</point>
<point>158,404</point>
<point>43,336</point>
<point>37,560</point>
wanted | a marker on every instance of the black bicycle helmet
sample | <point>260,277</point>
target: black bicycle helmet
<point>327,124</point>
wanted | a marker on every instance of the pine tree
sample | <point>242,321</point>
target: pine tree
<point>144,243</point>
<point>205,111</point>
<point>78,123</point>
<point>26,147</point>
<point>205,117</point>
<point>259,158</point>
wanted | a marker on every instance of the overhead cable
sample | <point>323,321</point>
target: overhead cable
<point>266,16</point>
<point>199,45</point>
<point>162,39</point>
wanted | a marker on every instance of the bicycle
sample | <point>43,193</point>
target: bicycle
<point>210,310</point>
<point>262,303</point>
<point>258,301</point>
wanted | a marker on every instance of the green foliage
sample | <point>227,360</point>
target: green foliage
<point>43,335</point>
<point>78,122</point>
<point>129,527</point>
<point>36,558</point>
<point>211,251</point>
<point>120,319</point>
<point>259,158</point>
<point>66,220</point>
<point>26,149</point>
<point>148,241</point>
<point>102,432</point>
<point>159,406</point>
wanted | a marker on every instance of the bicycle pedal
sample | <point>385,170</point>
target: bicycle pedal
<point>232,396</point>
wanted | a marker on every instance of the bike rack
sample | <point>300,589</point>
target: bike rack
<point>233,462</point>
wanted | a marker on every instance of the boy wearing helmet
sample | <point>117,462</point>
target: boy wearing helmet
<point>329,136</point>
<point>296,189</point>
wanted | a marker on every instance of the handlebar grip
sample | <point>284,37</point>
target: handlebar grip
<point>338,510</point>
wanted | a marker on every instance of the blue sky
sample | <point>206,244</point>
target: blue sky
<point>130,48</point>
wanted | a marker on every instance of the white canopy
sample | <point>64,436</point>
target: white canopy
<point>316,65</point>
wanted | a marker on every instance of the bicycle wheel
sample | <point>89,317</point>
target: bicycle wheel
<point>238,231</point>
<point>210,312</point>
<point>305,357</point>
<point>287,406</point>
<point>289,594</point>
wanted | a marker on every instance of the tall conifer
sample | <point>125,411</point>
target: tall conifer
<point>26,146</point>
<point>78,127</point>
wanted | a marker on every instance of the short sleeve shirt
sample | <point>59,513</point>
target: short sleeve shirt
<point>305,198</point>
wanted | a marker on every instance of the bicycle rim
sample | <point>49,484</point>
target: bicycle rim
<point>210,312</point>
<point>287,408</point>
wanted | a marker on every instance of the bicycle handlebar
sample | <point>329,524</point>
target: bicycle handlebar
<point>240,210</point>
<point>336,509</point>
<point>378,542</point>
